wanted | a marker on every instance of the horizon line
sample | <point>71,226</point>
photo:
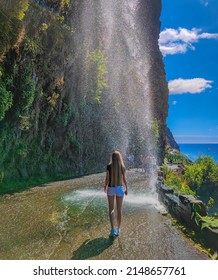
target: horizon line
<point>196,143</point>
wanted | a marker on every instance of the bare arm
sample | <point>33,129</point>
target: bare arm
<point>125,183</point>
<point>106,181</point>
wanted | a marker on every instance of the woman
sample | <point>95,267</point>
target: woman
<point>114,181</point>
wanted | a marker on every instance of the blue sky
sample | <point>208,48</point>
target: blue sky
<point>189,43</point>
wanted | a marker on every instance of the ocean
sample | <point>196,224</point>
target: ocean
<point>193,151</point>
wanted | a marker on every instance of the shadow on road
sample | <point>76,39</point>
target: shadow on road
<point>92,248</point>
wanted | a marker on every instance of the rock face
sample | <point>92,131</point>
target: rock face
<point>83,79</point>
<point>170,140</point>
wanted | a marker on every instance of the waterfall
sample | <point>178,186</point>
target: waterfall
<point>115,37</point>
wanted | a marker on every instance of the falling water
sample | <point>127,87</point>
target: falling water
<point>82,198</point>
<point>112,34</point>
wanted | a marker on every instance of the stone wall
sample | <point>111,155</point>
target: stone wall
<point>183,209</point>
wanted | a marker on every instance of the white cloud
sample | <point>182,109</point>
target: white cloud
<point>193,86</point>
<point>173,48</point>
<point>173,41</point>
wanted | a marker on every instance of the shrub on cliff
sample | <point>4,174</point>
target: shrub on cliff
<point>5,101</point>
<point>11,23</point>
<point>175,158</point>
<point>209,169</point>
<point>204,170</point>
<point>176,182</point>
<point>5,97</point>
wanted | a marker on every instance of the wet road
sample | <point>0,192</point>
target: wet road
<point>69,220</point>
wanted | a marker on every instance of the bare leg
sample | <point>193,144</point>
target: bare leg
<point>111,210</point>
<point>119,202</point>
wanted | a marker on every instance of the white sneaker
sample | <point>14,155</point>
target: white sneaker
<point>118,231</point>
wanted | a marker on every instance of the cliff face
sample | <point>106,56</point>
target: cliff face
<point>121,39</point>
<point>64,104</point>
<point>170,140</point>
<point>157,77</point>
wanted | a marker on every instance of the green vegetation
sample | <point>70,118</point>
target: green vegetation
<point>203,171</point>
<point>46,127</point>
<point>210,203</point>
<point>9,187</point>
<point>191,175</point>
<point>206,221</point>
<point>177,182</point>
<point>156,129</point>
<point>188,180</point>
<point>31,83</point>
<point>176,158</point>
<point>58,5</point>
<point>155,134</point>
<point>96,61</point>
<point>5,98</point>
<point>16,8</point>
<point>11,23</point>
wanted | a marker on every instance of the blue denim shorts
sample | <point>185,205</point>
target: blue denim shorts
<point>118,191</point>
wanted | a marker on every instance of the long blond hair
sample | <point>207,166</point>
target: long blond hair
<point>117,169</point>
